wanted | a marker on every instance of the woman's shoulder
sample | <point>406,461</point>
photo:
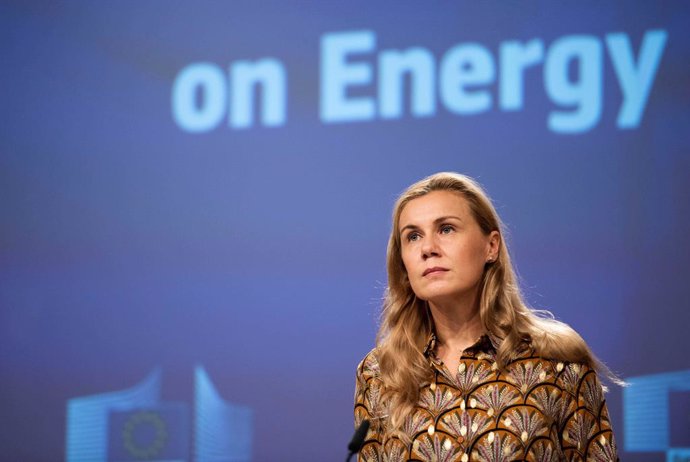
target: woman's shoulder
<point>561,364</point>
<point>368,367</point>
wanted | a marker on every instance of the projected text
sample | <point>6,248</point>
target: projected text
<point>360,83</point>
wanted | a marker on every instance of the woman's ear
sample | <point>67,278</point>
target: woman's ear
<point>493,245</point>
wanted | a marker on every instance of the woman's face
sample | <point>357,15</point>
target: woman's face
<point>443,248</point>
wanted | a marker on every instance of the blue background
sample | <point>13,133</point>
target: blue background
<point>127,243</point>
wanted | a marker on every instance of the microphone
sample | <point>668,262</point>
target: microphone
<point>358,439</point>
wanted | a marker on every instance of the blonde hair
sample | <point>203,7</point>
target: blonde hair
<point>406,323</point>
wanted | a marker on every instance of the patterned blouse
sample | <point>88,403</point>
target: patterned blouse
<point>537,410</point>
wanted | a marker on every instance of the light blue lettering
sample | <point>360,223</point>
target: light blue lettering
<point>585,93</point>
<point>393,65</point>
<point>245,75</point>
<point>209,80</point>
<point>463,66</point>
<point>515,57</point>
<point>337,75</point>
<point>635,81</point>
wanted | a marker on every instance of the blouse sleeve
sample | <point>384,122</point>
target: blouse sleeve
<point>368,405</point>
<point>586,433</point>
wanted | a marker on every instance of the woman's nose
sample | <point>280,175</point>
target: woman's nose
<point>429,247</point>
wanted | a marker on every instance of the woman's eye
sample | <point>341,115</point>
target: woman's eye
<point>412,237</point>
<point>446,229</point>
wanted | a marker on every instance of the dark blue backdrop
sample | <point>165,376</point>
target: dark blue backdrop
<point>130,244</point>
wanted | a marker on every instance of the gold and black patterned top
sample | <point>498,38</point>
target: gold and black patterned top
<point>536,410</point>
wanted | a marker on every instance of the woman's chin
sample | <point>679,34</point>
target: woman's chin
<point>442,298</point>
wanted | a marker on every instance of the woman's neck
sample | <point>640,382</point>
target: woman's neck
<point>458,325</point>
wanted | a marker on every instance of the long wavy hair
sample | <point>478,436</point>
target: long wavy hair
<point>406,322</point>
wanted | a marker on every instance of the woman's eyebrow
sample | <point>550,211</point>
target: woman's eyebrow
<point>436,221</point>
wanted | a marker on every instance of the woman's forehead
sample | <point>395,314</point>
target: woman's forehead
<point>434,205</point>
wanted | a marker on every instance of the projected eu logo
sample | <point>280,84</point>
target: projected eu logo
<point>135,425</point>
<point>656,415</point>
<point>160,433</point>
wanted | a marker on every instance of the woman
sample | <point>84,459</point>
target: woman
<point>463,369</point>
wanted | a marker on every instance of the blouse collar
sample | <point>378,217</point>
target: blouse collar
<point>485,343</point>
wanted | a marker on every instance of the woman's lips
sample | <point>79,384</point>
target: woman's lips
<point>435,269</point>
